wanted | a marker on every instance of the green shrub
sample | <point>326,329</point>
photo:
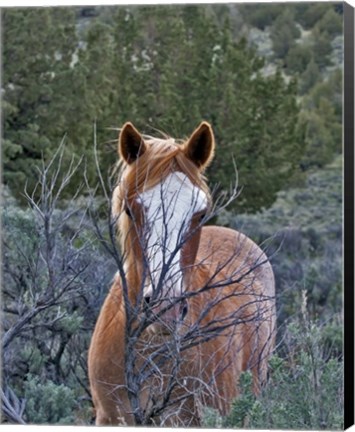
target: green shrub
<point>308,14</point>
<point>304,390</point>
<point>298,58</point>
<point>322,48</point>
<point>309,77</point>
<point>242,407</point>
<point>283,33</point>
<point>261,15</point>
<point>331,23</point>
<point>48,402</point>
<point>322,121</point>
<point>319,140</point>
<point>330,90</point>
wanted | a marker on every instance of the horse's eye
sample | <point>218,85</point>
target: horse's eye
<point>128,212</point>
<point>202,217</point>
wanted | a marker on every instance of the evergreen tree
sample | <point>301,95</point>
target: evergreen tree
<point>166,67</point>
<point>125,67</point>
<point>309,77</point>
<point>322,48</point>
<point>331,23</point>
<point>39,44</point>
<point>308,14</point>
<point>283,33</point>
<point>261,15</point>
<point>322,117</point>
<point>298,58</point>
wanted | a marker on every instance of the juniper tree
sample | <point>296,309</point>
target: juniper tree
<point>38,47</point>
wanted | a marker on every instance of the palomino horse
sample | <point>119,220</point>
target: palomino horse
<point>191,307</point>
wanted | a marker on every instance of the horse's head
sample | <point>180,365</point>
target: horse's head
<point>163,200</point>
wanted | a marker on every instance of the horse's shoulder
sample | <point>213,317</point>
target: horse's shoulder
<point>230,249</point>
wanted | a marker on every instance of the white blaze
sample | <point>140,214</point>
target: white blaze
<point>169,207</point>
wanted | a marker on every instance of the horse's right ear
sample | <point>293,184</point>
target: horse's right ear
<point>131,144</point>
<point>200,146</point>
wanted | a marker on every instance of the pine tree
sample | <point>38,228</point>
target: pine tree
<point>322,48</point>
<point>284,32</point>
<point>298,58</point>
<point>322,117</point>
<point>168,67</point>
<point>39,44</point>
<point>309,77</point>
<point>331,23</point>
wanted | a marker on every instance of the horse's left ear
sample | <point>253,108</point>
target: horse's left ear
<point>131,144</point>
<point>200,146</point>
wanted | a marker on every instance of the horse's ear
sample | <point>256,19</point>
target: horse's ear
<point>131,144</point>
<point>200,146</point>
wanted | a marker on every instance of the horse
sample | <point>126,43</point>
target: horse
<point>191,307</point>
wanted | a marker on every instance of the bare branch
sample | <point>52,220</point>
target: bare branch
<point>12,407</point>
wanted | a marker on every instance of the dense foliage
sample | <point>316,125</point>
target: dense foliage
<point>119,69</point>
<point>275,103</point>
<point>305,224</point>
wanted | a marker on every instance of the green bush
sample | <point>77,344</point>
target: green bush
<point>320,143</point>
<point>331,90</point>
<point>322,120</point>
<point>308,14</point>
<point>331,23</point>
<point>298,58</point>
<point>284,33</point>
<point>243,405</point>
<point>309,77</point>
<point>48,402</point>
<point>261,15</point>
<point>304,390</point>
<point>322,48</point>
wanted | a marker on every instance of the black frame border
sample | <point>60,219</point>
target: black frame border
<point>348,130</point>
